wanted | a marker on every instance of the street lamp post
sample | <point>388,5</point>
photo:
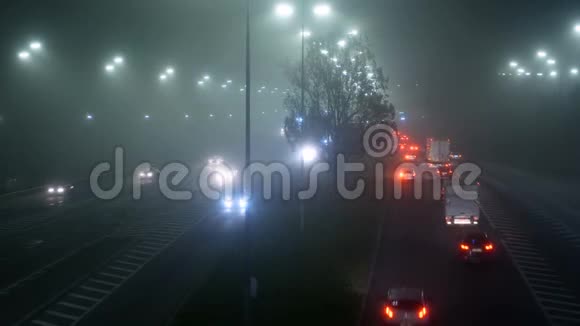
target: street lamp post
<point>247,272</point>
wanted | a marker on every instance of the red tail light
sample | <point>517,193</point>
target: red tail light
<point>488,246</point>
<point>389,312</point>
<point>463,246</point>
<point>423,312</point>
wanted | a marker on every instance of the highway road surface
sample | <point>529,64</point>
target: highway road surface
<point>83,261</point>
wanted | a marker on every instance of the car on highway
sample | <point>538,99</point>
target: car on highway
<point>237,204</point>
<point>476,246</point>
<point>147,175</point>
<point>406,174</point>
<point>405,306</point>
<point>58,189</point>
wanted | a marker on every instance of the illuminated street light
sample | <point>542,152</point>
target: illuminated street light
<point>224,85</point>
<point>322,10</point>
<point>341,43</point>
<point>35,45</point>
<point>577,28</point>
<point>513,64</point>
<point>162,77</point>
<point>574,71</point>
<point>306,33</point>
<point>521,70</point>
<point>284,10</point>
<point>118,60</point>
<point>89,116</point>
<point>334,59</point>
<point>229,81</point>
<point>542,54</point>
<point>353,32</point>
<point>551,62</point>
<point>206,77</point>
<point>200,82</point>
<point>528,73</point>
<point>539,74</point>
<point>169,70</point>
<point>187,116</point>
<point>146,117</point>
<point>553,73</point>
<point>324,52</point>
<point>23,55</point>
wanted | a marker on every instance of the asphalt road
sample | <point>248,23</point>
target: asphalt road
<point>49,250</point>
<point>417,249</point>
<point>125,262</point>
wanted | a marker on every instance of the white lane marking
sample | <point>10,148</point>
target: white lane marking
<point>532,279</point>
<point>121,269</point>
<point>72,305</point>
<point>124,262</point>
<point>135,257</point>
<point>61,315</point>
<point>567,319</point>
<point>568,311</point>
<point>90,288</point>
<point>148,247</point>
<point>563,303</point>
<point>42,323</point>
<point>80,296</point>
<point>121,277</point>
<point>543,280</point>
<point>103,282</point>
<point>553,294</point>
<point>142,252</point>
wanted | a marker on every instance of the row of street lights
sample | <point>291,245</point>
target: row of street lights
<point>548,65</point>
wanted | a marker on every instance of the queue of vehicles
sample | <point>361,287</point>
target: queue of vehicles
<point>459,211</point>
<point>409,306</point>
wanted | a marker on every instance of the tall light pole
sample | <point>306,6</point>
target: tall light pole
<point>247,272</point>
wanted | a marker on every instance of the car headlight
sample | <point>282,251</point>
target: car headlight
<point>50,190</point>
<point>60,190</point>
<point>243,202</point>
<point>149,174</point>
<point>142,174</point>
<point>228,203</point>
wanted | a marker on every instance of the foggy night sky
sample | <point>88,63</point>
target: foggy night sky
<point>452,49</point>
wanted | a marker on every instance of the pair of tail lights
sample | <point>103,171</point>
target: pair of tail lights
<point>486,247</point>
<point>390,313</point>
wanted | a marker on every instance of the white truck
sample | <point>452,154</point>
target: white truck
<point>438,150</point>
<point>459,211</point>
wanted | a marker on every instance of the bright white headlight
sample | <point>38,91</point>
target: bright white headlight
<point>243,203</point>
<point>228,203</point>
<point>149,174</point>
<point>142,174</point>
<point>50,190</point>
<point>60,190</point>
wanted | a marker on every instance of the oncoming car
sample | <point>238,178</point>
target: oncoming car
<point>58,190</point>
<point>147,176</point>
<point>405,306</point>
<point>235,204</point>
